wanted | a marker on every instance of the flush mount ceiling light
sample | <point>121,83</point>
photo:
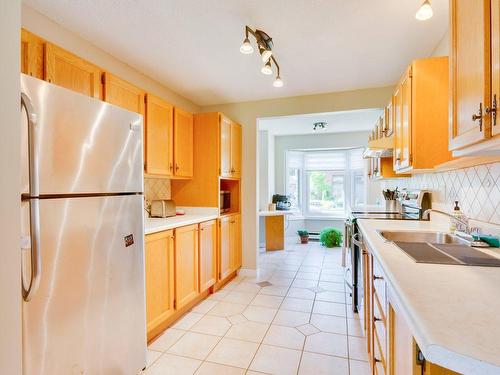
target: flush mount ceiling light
<point>265,45</point>
<point>425,11</point>
<point>321,125</point>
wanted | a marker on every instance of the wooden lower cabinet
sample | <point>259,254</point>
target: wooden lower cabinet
<point>208,254</point>
<point>230,245</point>
<point>391,346</point>
<point>186,265</point>
<point>160,293</point>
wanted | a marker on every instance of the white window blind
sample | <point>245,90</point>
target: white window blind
<point>356,158</point>
<point>294,159</point>
<point>325,161</point>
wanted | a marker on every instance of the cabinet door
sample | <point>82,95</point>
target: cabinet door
<point>225,147</point>
<point>388,120</point>
<point>159,279</point>
<point>236,241</point>
<point>406,123</point>
<point>225,264</point>
<point>64,69</point>
<point>186,265</point>
<point>208,254</point>
<point>235,150</point>
<point>396,116</point>
<point>159,136</point>
<point>123,94</point>
<point>183,143</point>
<point>495,62</point>
<point>32,54</point>
<point>469,71</point>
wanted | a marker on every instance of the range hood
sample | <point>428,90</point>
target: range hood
<point>379,148</point>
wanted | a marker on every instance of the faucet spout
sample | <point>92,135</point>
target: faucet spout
<point>464,222</point>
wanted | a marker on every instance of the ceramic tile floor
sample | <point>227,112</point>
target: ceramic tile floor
<point>300,324</point>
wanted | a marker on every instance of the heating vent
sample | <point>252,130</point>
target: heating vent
<point>313,236</point>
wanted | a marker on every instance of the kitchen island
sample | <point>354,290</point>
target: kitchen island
<point>452,311</point>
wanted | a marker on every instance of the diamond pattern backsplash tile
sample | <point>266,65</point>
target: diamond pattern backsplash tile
<point>156,188</point>
<point>476,188</point>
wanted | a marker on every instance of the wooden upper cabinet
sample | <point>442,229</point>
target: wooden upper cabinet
<point>230,148</point>
<point>235,150</point>
<point>225,146</point>
<point>186,264</point>
<point>65,69</point>
<point>208,254</point>
<point>123,94</point>
<point>32,54</point>
<point>159,270</point>
<point>405,155</point>
<point>420,116</point>
<point>159,136</point>
<point>495,63</point>
<point>183,143</point>
<point>388,120</point>
<point>470,71</point>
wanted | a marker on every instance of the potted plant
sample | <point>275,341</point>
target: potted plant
<point>330,237</point>
<point>304,236</point>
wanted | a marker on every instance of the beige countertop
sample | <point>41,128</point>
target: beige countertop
<point>453,311</point>
<point>193,215</point>
<point>275,213</point>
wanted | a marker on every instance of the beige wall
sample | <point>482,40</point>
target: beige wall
<point>247,115</point>
<point>10,254</point>
<point>53,32</point>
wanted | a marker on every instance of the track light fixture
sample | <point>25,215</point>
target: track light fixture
<point>425,11</point>
<point>265,45</point>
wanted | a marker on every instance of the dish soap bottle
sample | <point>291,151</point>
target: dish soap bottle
<point>456,213</point>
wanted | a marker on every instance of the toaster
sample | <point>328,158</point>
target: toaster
<point>163,208</point>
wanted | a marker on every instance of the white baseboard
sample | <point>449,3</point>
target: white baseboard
<point>247,272</point>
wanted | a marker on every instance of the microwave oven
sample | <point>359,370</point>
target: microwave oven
<point>225,201</point>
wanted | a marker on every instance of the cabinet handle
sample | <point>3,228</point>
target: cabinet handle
<point>375,319</point>
<point>176,166</point>
<point>479,117</point>
<point>493,110</point>
<point>171,166</point>
<point>378,277</point>
<point>375,359</point>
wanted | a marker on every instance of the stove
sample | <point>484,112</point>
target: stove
<point>410,206</point>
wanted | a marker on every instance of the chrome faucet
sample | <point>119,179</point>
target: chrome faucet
<point>467,229</point>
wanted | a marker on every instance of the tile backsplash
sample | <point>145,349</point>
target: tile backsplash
<point>156,188</point>
<point>476,188</point>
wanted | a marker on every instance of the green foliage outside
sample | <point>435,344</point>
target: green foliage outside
<point>330,237</point>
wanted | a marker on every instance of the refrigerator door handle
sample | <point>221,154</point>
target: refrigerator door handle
<point>36,261</point>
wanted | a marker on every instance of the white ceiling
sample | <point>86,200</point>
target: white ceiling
<point>192,46</point>
<point>337,122</point>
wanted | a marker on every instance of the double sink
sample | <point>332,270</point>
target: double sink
<point>439,248</point>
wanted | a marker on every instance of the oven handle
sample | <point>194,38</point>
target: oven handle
<point>357,242</point>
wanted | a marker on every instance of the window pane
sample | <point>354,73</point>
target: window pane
<point>293,188</point>
<point>326,192</point>
<point>358,189</point>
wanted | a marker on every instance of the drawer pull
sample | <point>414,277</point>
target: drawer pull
<point>378,277</point>
<point>375,359</point>
<point>375,319</point>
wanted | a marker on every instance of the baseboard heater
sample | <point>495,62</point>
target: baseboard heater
<point>313,236</point>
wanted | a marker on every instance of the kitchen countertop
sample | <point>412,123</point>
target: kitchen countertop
<point>453,311</point>
<point>275,213</point>
<point>193,215</point>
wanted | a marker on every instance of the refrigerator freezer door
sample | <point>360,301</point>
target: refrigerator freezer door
<point>88,315</point>
<point>83,145</point>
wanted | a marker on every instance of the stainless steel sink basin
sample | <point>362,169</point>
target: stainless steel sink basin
<point>431,237</point>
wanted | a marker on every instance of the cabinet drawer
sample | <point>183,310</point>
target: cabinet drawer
<point>380,285</point>
<point>379,326</point>
<point>379,357</point>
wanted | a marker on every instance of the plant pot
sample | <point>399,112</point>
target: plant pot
<point>304,240</point>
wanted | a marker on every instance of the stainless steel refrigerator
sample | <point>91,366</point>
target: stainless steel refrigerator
<point>83,234</point>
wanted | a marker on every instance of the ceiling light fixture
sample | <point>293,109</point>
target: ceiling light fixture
<point>425,11</point>
<point>320,125</point>
<point>265,45</point>
<point>266,69</point>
